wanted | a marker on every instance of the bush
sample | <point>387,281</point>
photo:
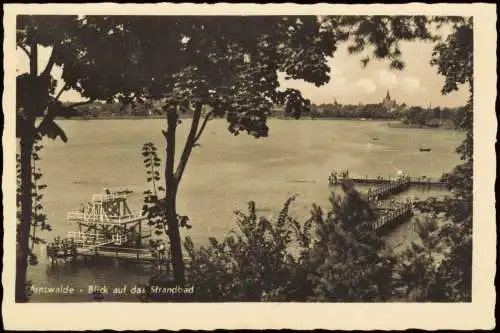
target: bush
<point>336,257</point>
<point>333,256</point>
<point>349,260</point>
<point>259,262</point>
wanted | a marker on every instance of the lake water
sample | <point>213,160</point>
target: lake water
<point>223,175</point>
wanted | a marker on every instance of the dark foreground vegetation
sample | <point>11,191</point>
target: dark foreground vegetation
<point>334,256</point>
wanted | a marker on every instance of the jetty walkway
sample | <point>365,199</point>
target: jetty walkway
<point>416,181</point>
<point>389,214</point>
<point>392,217</point>
<point>337,176</point>
<point>387,189</point>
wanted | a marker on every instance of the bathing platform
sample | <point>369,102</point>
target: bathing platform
<point>107,228</point>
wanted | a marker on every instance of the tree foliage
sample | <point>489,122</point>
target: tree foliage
<point>438,265</point>
<point>334,257</point>
<point>220,67</point>
<point>382,35</point>
<point>349,262</point>
<point>38,216</point>
<point>251,264</point>
<point>451,278</point>
<point>66,38</point>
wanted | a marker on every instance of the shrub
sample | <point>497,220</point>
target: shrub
<point>336,257</point>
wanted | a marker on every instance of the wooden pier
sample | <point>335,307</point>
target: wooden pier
<point>337,176</point>
<point>131,255</point>
<point>392,217</point>
<point>392,213</point>
<point>389,188</point>
<point>418,181</point>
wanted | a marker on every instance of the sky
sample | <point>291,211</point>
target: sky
<point>418,84</point>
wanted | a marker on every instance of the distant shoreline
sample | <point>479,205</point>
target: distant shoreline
<point>120,118</point>
<point>187,117</point>
<point>390,122</point>
<point>395,124</point>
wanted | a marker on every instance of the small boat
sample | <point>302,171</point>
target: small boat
<point>375,138</point>
<point>425,149</point>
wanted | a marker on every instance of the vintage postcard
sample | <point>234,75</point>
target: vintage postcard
<point>266,166</point>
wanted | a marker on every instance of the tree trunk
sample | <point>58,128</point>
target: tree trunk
<point>171,211</point>
<point>27,141</point>
<point>172,181</point>
<point>175,239</point>
<point>25,223</point>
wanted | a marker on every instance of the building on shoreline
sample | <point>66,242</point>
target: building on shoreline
<point>388,103</point>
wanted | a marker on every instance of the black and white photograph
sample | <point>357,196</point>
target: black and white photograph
<point>298,157</point>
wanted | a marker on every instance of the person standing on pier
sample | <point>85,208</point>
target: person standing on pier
<point>161,253</point>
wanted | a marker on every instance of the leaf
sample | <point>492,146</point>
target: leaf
<point>57,109</point>
<point>213,242</point>
<point>49,128</point>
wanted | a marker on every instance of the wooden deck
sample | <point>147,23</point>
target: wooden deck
<point>134,255</point>
<point>392,217</point>
<point>420,181</point>
<point>83,217</point>
<point>383,188</point>
<point>107,251</point>
<point>387,189</point>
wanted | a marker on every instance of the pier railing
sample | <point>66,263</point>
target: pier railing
<point>118,239</point>
<point>427,181</point>
<point>85,217</point>
<point>337,176</point>
<point>404,211</point>
<point>108,197</point>
<point>390,188</point>
<point>89,237</point>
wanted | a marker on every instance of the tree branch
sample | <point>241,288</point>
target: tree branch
<point>33,59</point>
<point>63,89</point>
<point>203,125</point>
<point>22,47</point>
<point>190,141</point>
<point>82,103</point>
<point>50,64</point>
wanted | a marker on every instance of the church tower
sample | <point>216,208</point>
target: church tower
<point>388,103</point>
<point>387,97</point>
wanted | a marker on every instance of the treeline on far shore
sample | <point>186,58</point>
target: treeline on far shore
<point>415,116</point>
<point>412,117</point>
